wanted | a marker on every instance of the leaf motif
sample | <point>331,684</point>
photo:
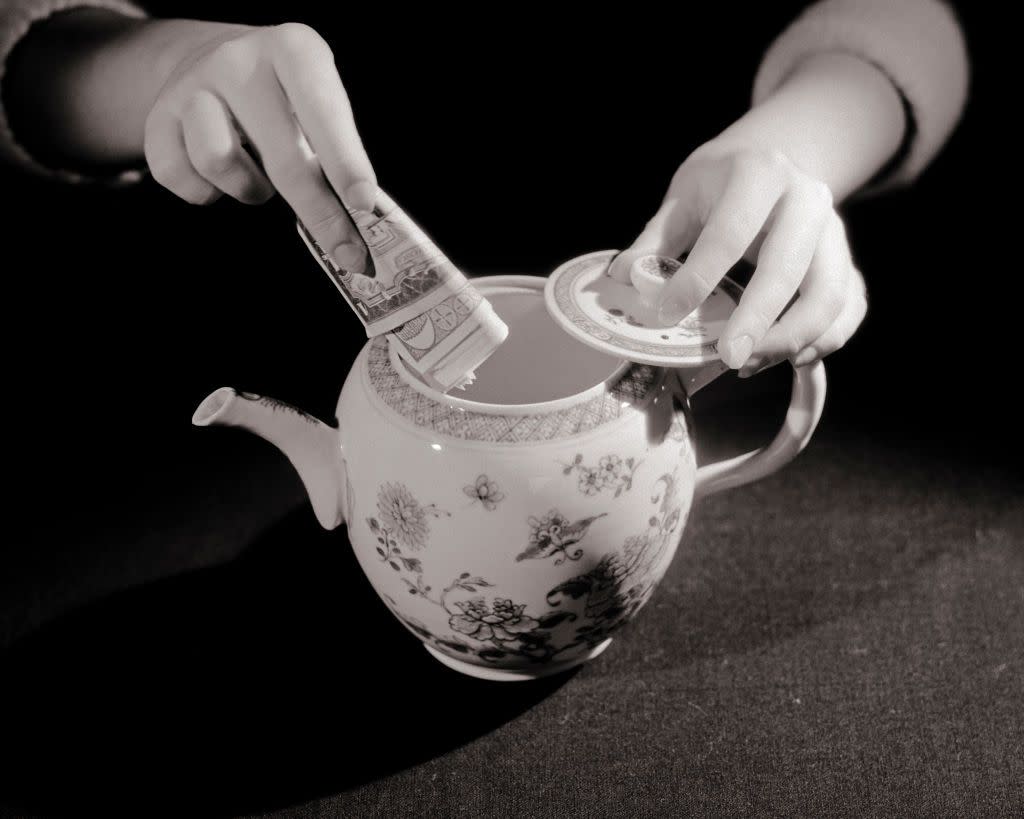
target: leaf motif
<point>381,552</point>
<point>481,582</point>
<point>374,526</point>
<point>396,550</point>
<point>578,459</point>
<point>412,564</point>
<point>574,588</point>
<point>467,587</point>
<point>460,647</point>
<point>553,618</point>
<point>394,566</point>
<point>464,575</point>
<point>653,521</point>
<point>380,540</point>
<point>413,590</point>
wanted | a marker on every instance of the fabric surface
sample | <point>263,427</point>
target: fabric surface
<point>843,638</point>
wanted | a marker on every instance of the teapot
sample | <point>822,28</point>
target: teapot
<point>515,527</point>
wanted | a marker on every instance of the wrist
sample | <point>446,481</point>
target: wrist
<point>836,117</point>
<point>80,84</point>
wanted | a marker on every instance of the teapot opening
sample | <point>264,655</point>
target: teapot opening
<point>539,361</point>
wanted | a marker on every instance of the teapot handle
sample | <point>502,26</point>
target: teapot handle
<point>805,407</point>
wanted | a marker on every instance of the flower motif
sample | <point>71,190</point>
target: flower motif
<point>611,473</point>
<point>504,621</point>
<point>610,467</point>
<point>486,491</point>
<point>591,481</point>
<point>403,515</point>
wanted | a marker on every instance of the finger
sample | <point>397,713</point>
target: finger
<point>169,163</point>
<point>733,224</point>
<point>782,265</point>
<point>262,111</point>
<point>823,295</point>
<point>216,151</point>
<point>670,232</point>
<point>843,328</point>
<point>305,68</point>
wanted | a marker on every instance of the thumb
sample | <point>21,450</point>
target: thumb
<point>670,232</point>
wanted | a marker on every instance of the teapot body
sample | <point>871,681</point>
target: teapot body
<point>515,527</point>
<point>514,540</point>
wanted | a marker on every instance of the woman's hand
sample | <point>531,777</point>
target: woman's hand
<point>275,91</point>
<point>726,203</point>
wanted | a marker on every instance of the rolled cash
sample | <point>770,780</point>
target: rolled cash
<point>406,287</point>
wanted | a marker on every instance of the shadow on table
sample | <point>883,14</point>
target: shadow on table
<point>268,681</point>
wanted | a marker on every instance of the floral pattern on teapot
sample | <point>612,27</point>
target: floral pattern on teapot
<point>496,628</point>
<point>612,473</point>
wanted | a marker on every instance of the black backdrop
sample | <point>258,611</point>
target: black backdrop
<point>517,141</point>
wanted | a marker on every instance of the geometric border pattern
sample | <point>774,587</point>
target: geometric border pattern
<point>565,298</point>
<point>632,388</point>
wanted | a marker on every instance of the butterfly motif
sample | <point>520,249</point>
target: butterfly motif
<point>553,534</point>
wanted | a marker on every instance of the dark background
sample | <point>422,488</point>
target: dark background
<point>158,586</point>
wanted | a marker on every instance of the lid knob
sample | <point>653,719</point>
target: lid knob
<point>649,275</point>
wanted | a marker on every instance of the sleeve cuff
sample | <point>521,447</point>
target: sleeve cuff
<point>16,18</point>
<point>918,44</point>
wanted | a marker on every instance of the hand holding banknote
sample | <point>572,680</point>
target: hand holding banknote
<point>247,110</point>
<point>402,285</point>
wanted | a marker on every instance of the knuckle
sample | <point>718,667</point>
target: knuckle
<point>725,245</point>
<point>236,59</point>
<point>167,171</point>
<point>761,314</point>
<point>215,162</point>
<point>763,162</point>
<point>292,172</point>
<point>328,223</point>
<point>818,193</point>
<point>298,38</point>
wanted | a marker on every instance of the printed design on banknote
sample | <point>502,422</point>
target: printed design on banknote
<point>423,333</point>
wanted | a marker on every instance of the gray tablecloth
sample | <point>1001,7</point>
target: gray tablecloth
<point>844,637</point>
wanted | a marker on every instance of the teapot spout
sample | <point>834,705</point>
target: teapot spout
<point>312,446</point>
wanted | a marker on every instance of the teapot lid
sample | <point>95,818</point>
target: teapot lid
<point>621,318</point>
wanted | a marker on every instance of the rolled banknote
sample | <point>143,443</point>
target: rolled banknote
<point>407,288</point>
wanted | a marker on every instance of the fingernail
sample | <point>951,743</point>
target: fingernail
<point>672,311</point>
<point>361,196</point>
<point>616,269</point>
<point>758,366</point>
<point>349,256</point>
<point>738,351</point>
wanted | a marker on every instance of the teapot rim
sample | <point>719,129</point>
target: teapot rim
<point>510,283</point>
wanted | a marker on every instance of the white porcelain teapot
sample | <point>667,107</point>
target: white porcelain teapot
<point>514,528</point>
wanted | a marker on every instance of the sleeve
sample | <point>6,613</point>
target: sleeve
<point>16,18</point>
<point>918,44</point>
